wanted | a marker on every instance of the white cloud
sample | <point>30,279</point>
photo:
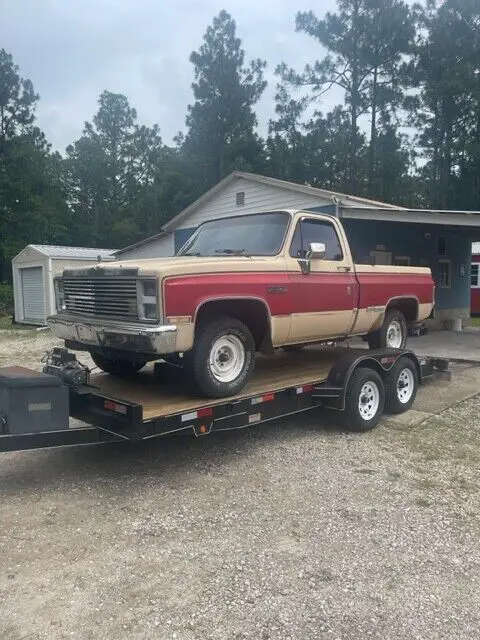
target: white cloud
<point>74,49</point>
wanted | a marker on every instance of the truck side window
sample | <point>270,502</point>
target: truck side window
<point>316,231</point>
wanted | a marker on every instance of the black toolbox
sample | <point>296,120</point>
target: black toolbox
<point>32,402</point>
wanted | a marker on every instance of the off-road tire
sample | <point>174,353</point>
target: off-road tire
<point>351,417</point>
<point>397,398</point>
<point>117,366</point>
<point>379,339</point>
<point>197,361</point>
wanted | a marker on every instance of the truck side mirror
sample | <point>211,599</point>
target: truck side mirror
<point>317,250</point>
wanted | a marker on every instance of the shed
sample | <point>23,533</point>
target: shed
<point>34,269</point>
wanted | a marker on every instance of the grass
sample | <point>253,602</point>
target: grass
<point>6,325</point>
<point>475,322</point>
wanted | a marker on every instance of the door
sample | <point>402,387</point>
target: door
<point>33,296</point>
<point>325,299</point>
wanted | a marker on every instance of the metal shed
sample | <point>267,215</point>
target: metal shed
<point>34,269</point>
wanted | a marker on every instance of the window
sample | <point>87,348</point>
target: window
<point>260,234</point>
<point>381,257</point>
<point>444,274</point>
<point>309,231</point>
<point>475,276</point>
<point>441,246</point>
<point>402,261</point>
<point>240,198</point>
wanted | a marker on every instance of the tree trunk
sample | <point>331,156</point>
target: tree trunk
<point>373,137</point>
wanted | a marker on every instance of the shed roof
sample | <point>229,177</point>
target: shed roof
<point>72,253</point>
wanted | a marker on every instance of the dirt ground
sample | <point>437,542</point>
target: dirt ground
<point>288,530</point>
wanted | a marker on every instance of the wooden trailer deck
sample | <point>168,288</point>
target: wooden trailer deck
<point>164,394</point>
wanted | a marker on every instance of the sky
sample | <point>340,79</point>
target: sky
<point>72,50</point>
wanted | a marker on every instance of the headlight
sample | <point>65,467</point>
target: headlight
<point>148,299</point>
<point>59,295</point>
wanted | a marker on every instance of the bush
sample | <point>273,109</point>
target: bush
<point>6,298</point>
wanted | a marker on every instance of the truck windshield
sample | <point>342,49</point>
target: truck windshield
<point>250,235</point>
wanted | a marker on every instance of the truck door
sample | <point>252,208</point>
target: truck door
<point>325,299</point>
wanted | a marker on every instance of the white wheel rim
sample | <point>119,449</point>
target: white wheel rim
<point>227,358</point>
<point>394,335</point>
<point>405,385</point>
<point>369,400</point>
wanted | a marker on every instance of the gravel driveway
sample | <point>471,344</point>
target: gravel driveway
<point>287,530</point>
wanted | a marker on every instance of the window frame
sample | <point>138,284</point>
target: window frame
<point>477,285</point>
<point>447,262</point>
<point>323,221</point>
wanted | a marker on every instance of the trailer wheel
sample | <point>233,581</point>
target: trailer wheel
<point>117,366</point>
<point>222,358</point>
<point>392,334</point>
<point>401,385</point>
<point>364,400</point>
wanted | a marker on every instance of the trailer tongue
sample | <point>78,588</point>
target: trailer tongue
<point>35,408</point>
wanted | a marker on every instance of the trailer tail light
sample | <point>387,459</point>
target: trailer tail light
<point>206,412</point>
<point>109,405</point>
<point>305,389</point>
<point>267,397</point>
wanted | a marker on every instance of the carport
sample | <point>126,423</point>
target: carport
<point>441,240</point>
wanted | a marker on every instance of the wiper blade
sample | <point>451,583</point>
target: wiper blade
<point>231,252</point>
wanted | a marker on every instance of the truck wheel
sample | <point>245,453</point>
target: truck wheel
<point>392,334</point>
<point>401,385</point>
<point>364,400</point>
<point>222,358</point>
<point>116,366</point>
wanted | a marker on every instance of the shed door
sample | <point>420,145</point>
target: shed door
<point>33,294</point>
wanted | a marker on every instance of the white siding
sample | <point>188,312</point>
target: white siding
<point>258,197</point>
<point>158,248</point>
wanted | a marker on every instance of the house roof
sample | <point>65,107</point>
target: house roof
<point>72,253</point>
<point>342,198</point>
<point>140,243</point>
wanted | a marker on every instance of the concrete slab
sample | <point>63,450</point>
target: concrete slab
<point>454,345</point>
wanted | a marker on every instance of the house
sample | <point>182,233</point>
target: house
<point>34,269</point>
<point>475,280</point>
<point>378,232</point>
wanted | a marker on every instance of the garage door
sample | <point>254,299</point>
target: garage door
<point>33,295</point>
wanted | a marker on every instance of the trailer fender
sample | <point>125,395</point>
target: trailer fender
<point>380,360</point>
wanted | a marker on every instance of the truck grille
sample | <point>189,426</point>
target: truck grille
<point>104,297</point>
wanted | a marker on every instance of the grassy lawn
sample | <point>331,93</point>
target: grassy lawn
<point>475,322</point>
<point>6,325</point>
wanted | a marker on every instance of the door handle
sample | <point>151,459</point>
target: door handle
<point>345,269</point>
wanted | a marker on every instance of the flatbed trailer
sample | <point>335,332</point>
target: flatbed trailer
<point>356,383</point>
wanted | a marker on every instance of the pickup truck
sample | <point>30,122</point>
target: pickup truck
<point>239,286</point>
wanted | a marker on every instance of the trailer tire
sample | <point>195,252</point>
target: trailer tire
<point>392,334</point>
<point>401,385</point>
<point>364,400</point>
<point>117,366</point>
<point>222,358</point>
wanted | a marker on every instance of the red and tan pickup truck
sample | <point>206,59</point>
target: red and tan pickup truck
<point>239,286</point>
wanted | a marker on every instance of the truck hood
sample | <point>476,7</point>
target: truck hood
<point>183,265</point>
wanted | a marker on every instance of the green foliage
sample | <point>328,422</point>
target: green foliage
<point>221,122</point>
<point>6,298</point>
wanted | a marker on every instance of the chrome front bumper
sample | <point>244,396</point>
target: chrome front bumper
<point>112,335</point>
